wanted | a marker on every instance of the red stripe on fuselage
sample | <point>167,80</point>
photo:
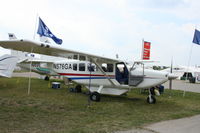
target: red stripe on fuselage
<point>75,74</point>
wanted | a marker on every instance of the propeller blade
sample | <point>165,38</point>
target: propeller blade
<point>171,76</point>
<point>170,84</point>
<point>171,65</point>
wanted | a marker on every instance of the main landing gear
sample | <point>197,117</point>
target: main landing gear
<point>151,98</point>
<point>77,89</point>
<point>46,78</point>
<point>95,96</point>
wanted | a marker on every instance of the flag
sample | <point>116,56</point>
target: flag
<point>146,50</point>
<point>196,38</point>
<point>43,30</point>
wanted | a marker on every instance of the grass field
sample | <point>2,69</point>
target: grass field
<point>48,110</point>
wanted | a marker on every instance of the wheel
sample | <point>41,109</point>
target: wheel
<point>95,96</point>
<point>151,99</point>
<point>46,78</point>
<point>78,88</point>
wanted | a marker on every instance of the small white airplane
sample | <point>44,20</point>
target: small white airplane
<point>7,65</point>
<point>99,74</point>
<point>184,73</point>
<point>39,66</point>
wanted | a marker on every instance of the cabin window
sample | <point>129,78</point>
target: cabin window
<point>107,67</point>
<point>104,67</point>
<point>81,57</point>
<point>81,66</point>
<point>110,67</point>
<point>75,67</point>
<point>75,57</point>
<point>92,67</point>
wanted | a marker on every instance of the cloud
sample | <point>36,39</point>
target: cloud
<point>109,27</point>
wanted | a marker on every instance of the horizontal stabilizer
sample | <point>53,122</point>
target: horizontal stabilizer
<point>7,65</point>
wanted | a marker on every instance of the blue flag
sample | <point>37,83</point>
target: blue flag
<point>43,30</point>
<point>196,38</point>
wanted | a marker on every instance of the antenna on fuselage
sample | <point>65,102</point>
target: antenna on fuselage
<point>117,56</point>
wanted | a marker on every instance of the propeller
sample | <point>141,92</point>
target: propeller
<point>171,76</point>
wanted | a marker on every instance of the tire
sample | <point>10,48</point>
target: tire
<point>151,100</point>
<point>78,89</point>
<point>46,78</point>
<point>95,96</point>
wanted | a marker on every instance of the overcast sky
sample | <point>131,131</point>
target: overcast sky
<point>110,27</point>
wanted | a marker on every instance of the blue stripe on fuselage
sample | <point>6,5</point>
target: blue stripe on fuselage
<point>79,78</point>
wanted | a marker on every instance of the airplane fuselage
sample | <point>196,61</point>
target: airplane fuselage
<point>110,75</point>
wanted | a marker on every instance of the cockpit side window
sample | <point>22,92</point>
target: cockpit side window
<point>91,67</point>
<point>107,67</point>
<point>110,67</point>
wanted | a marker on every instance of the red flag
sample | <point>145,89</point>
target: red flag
<point>146,50</point>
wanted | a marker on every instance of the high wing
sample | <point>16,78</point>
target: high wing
<point>44,48</point>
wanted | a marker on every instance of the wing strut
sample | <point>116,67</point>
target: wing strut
<point>99,67</point>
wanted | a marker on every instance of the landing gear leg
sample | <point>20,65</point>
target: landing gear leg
<point>151,98</point>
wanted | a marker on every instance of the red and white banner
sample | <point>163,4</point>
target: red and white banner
<point>146,50</point>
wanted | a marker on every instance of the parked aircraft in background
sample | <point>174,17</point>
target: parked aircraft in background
<point>38,62</point>
<point>38,66</point>
<point>184,73</point>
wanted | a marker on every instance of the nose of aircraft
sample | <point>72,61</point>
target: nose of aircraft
<point>171,76</point>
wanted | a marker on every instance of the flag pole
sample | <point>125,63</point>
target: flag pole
<point>29,81</point>
<point>190,56</point>
<point>36,23</point>
<point>142,53</point>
